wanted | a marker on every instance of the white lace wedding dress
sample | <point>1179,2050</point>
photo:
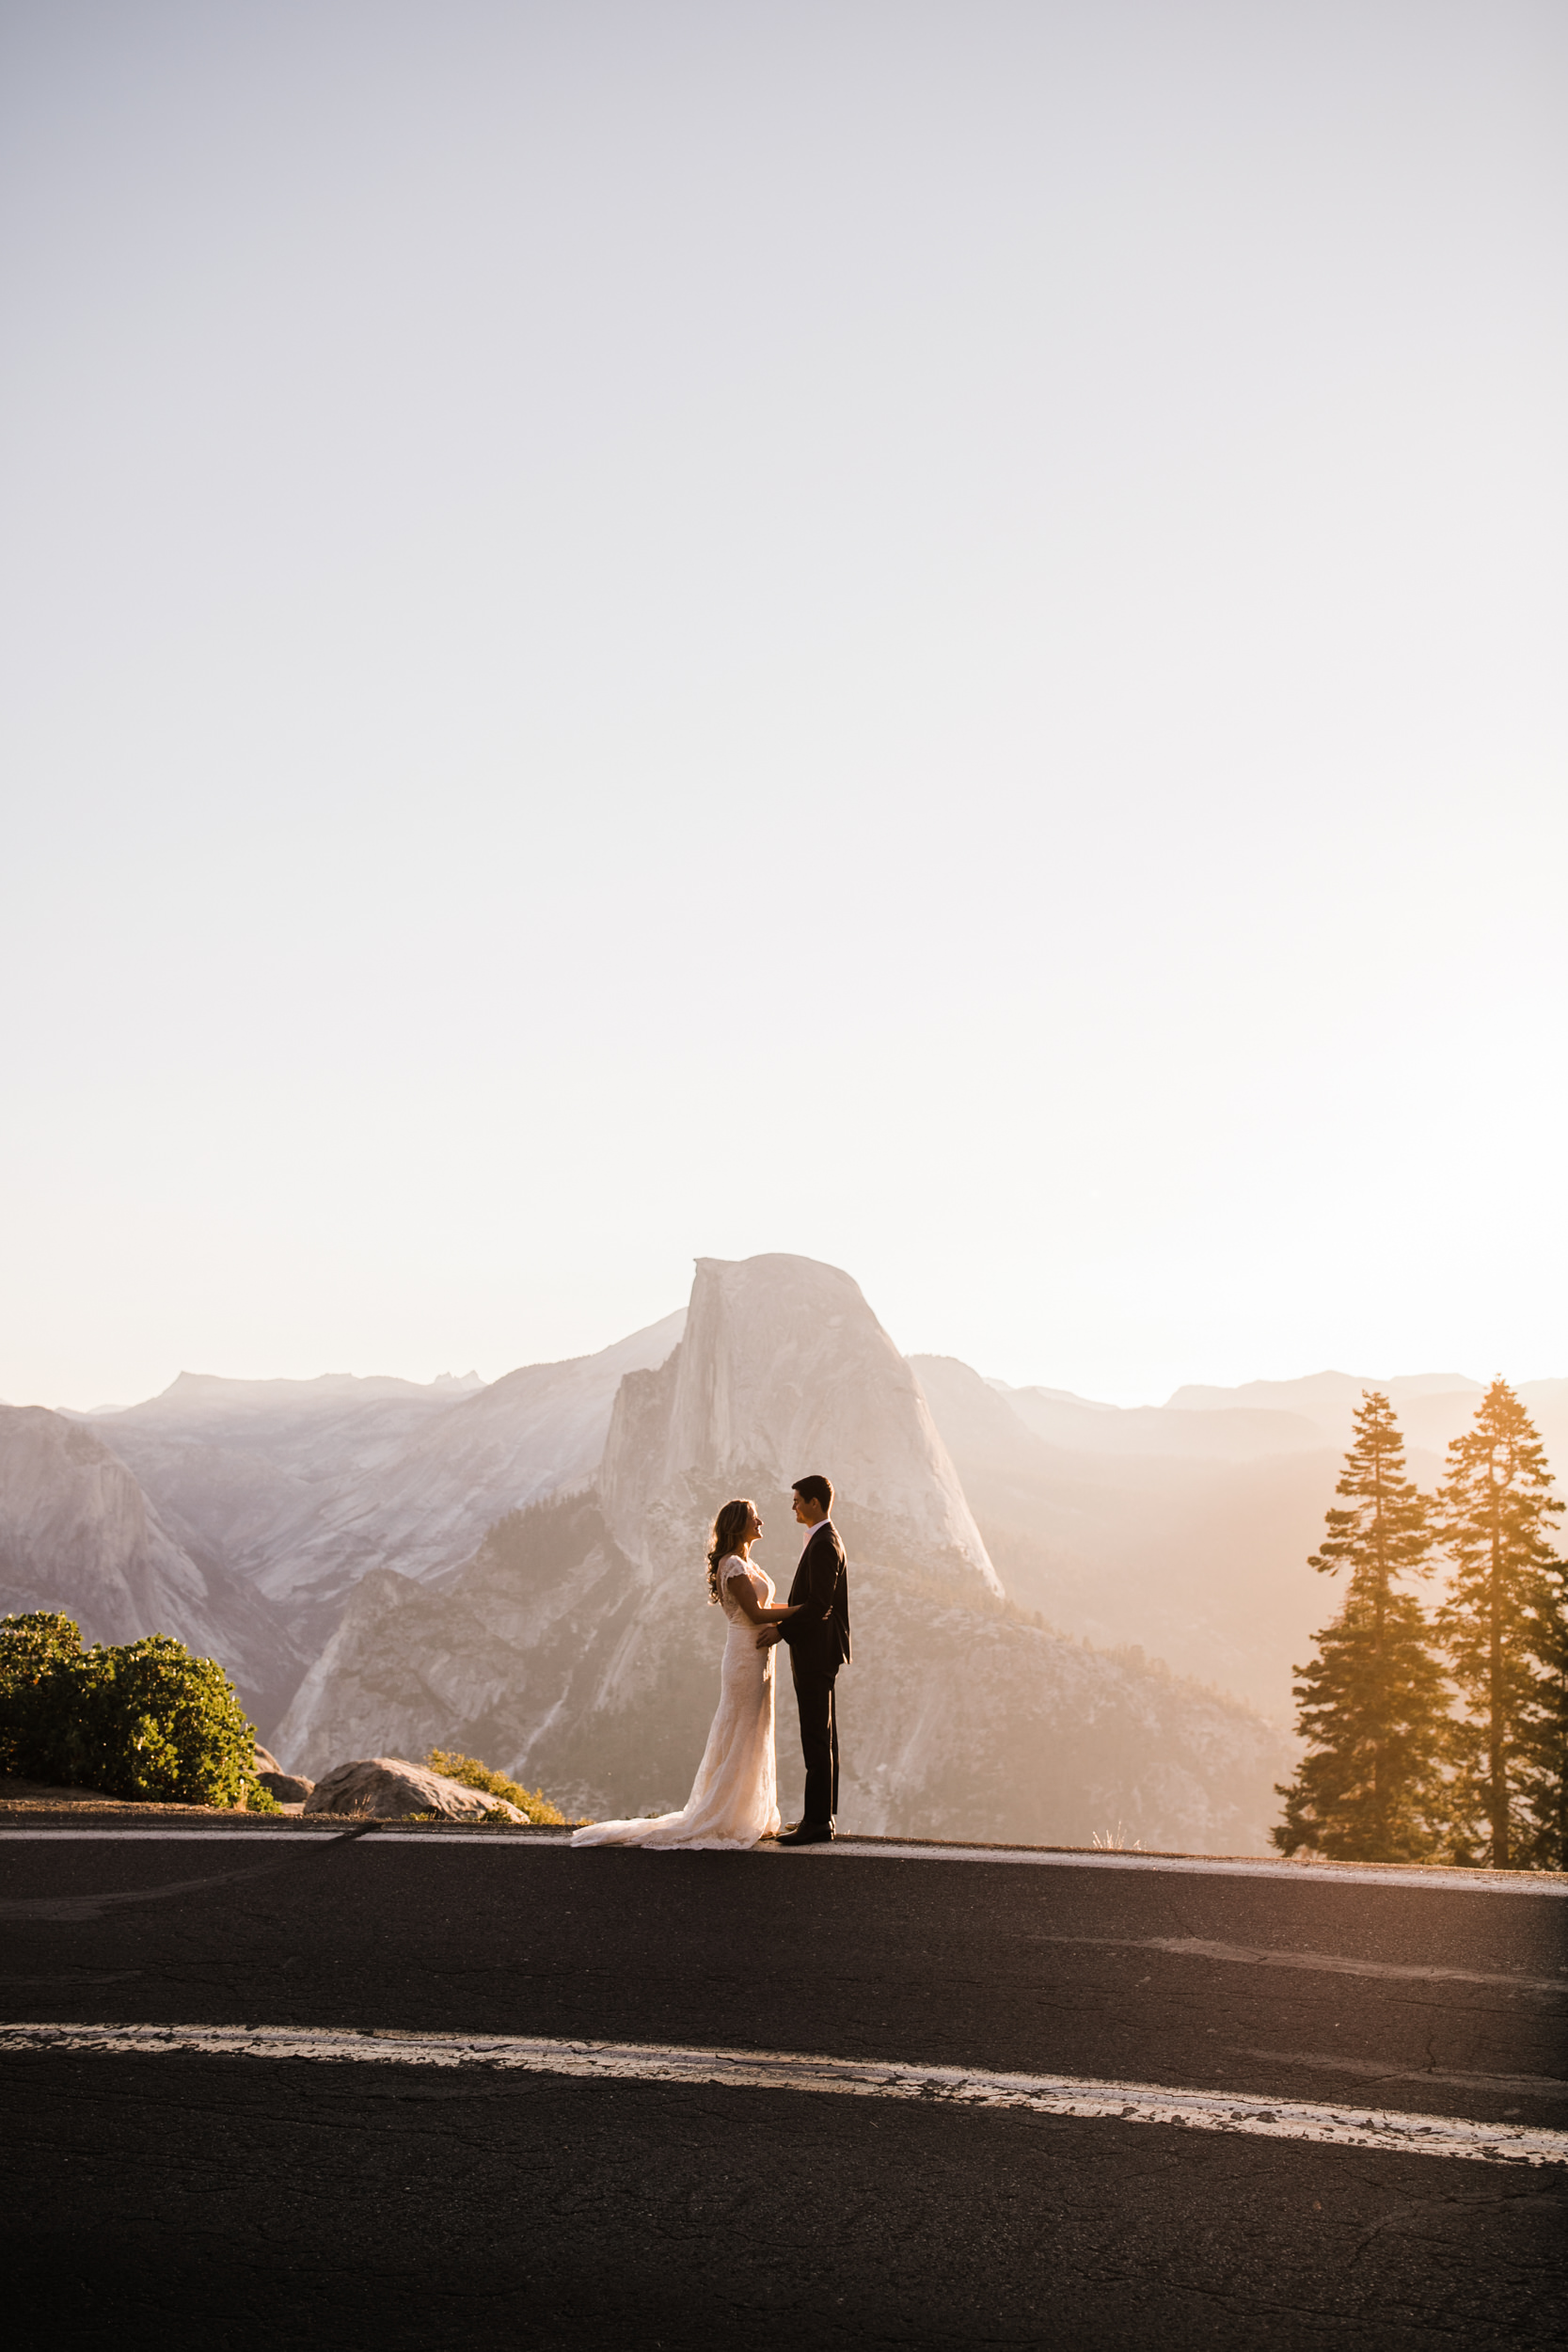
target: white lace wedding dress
<point>733,1799</point>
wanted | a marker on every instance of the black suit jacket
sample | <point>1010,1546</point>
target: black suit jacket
<point>819,1636</point>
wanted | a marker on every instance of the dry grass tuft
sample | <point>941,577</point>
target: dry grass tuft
<point>473,1774</point>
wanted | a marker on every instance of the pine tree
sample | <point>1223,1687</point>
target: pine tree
<point>1546,1739</point>
<point>1373,1702</point>
<point>1502,1623</point>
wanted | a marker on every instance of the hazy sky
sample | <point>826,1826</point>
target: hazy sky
<point>931,635</point>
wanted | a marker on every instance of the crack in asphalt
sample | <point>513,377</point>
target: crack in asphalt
<point>1375,2069</point>
<point>1332,1963</point>
<point>65,1908</point>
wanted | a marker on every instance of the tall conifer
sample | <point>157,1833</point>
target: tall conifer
<point>1373,1702</point>
<point>1547,1741</point>
<point>1502,1623</point>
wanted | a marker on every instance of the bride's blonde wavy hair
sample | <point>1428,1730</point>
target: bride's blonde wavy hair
<point>727,1535</point>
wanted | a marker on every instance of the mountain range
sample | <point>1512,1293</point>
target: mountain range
<point>1068,1615</point>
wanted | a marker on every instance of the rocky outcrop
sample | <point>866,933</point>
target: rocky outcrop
<point>389,1788</point>
<point>286,1787</point>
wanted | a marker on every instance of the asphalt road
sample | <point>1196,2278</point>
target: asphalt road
<point>244,2200</point>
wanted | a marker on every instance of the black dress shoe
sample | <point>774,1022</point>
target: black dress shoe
<point>806,1833</point>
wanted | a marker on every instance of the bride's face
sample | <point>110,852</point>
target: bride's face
<point>754,1525</point>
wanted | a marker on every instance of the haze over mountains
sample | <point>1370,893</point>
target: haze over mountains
<point>516,1567</point>
<point>1186,1528</point>
<point>294,1489</point>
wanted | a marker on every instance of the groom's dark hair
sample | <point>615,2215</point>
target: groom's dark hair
<point>815,1490</point>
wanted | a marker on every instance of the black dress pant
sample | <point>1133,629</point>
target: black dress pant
<point>813,1698</point>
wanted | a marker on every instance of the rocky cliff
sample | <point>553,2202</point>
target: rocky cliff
<point>784,1369</point>
<point>77,1533</point>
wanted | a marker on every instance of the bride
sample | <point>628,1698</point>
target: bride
<point>733,1799</point>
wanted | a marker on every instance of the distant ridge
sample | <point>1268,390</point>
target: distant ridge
<point>1320,1392</point>
<point>215,1391</point>
<point>1433,1407</point>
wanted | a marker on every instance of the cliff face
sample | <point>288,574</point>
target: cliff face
<point>577,1647</point>
<point>784,1369</point>
<point>77,1533</point>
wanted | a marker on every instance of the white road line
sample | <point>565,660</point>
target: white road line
<point>849,1849</point>
<point>333,1826</point>
<point>771,2070</point>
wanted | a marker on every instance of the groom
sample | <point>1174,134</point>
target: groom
<point>818,1638</point>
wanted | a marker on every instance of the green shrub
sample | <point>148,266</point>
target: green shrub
<point>164,1726</point>
<point>473,1774</point>
<point>40,1664</point>
<point>144,1720</point>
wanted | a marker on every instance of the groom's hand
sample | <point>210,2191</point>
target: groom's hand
<point>769,1634</point>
